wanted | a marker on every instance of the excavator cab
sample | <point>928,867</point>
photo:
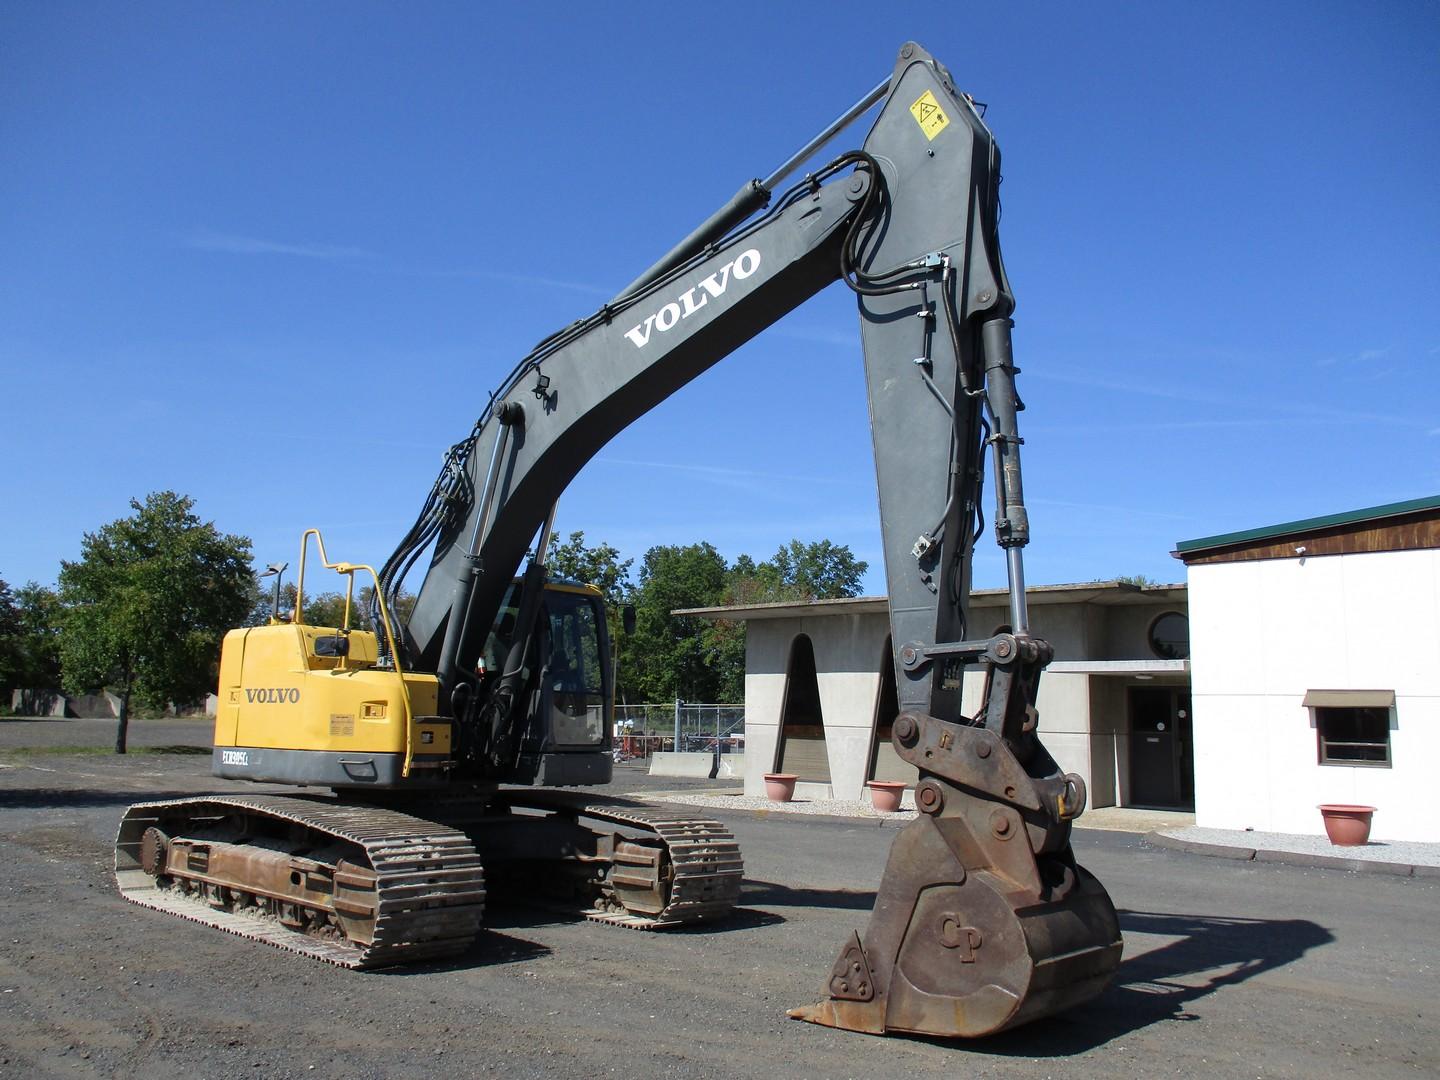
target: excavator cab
<point>575,683</point>
<point>566,737</point>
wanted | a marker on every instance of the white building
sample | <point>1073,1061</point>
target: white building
<point>1316,670</point>
<point>1114,705</point>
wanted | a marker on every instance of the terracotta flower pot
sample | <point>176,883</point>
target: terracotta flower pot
<point>780,786</point>
<point>885,795</point>
<point>1346,825</point>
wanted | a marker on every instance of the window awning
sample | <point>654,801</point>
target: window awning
<point>1350,699</point>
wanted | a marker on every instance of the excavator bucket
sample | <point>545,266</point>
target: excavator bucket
<point>983,920</point>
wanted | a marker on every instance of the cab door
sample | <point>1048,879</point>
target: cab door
<point>575,677</point>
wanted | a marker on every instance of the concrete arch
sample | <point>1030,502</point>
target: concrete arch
<point>885,763</point>
<point>801,748</point>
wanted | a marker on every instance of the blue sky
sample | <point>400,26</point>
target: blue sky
<point>276,256</point>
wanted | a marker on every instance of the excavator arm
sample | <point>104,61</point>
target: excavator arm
<point>983,919</point>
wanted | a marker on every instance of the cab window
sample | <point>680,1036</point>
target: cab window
<point>575,673</point>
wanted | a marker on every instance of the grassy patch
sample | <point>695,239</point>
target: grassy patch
<point>96,751</point>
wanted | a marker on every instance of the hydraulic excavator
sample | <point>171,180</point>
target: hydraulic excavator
<point>438,733</point>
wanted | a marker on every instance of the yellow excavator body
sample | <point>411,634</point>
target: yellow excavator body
<point>279,692</point>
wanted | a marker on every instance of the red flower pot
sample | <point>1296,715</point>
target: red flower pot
<point>885,795</point>
<point>1346,825</point>
<point>780,786</point>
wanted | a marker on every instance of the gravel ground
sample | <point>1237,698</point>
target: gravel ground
<point>1232,969</point>
<point>1413,852</point>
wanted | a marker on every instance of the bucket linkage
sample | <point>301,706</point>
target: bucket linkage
<point>983,919</point>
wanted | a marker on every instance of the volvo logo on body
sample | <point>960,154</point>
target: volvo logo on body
<point>273,695</point>
<point>695,297</point>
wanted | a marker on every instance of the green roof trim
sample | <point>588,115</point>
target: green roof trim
<point>1271,532</point>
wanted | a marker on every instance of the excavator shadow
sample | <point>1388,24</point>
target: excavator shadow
<point>490,949</point>
<point>772,893</point>
<point>1203,954</point>
<point>742,918</point>
<point>493,947</point>
<point>505,915</point>
<point>48,798</point>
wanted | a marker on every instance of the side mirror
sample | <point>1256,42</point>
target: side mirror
<point>627,618</point>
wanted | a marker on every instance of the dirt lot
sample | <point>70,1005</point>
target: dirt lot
<point>1232,969</point>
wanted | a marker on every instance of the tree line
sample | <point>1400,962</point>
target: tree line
<point>143,610</point>
<point>687,657</point>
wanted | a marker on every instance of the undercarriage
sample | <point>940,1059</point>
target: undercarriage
<point>366,886</point>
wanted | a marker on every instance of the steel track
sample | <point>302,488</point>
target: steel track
<point>705,855</point>
<point>429,880</point>
<point>430,886</point>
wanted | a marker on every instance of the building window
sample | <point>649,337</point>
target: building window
<point>1170,636</point>
<point>1352,727</point>
<point>1353,736</point>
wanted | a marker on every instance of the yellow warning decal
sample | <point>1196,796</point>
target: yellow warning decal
<point>929,115</point>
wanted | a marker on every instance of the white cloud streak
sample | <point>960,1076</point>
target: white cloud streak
<point>1364,356</point>
<point>234,244</point>
<point>536,280</point>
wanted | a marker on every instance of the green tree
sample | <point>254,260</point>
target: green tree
<point>29,638</point>
<point>672,655</point>
<point>602,567</point>
<point>1140,581</point>
<point>747,582</point>
<point>9,639</point>
<point>723,642</point>
<point>322,609</point>
<point>815,571</point>
<point>682,656</point>
<point>599,566</point>
<point>147,603</point>
<point>328,609</point>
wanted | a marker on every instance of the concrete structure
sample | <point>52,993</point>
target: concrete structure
<point>88,706</point>
<point>696,764</point>
<point>1114,706</point>
<point>1316,652</point>
<point>55,703</point>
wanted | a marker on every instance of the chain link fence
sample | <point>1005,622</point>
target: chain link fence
<point>641,730</point>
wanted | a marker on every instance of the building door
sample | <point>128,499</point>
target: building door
<point>1162,760</point>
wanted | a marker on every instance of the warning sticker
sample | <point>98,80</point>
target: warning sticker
<point>342,724</point>
<point>929,115</point>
